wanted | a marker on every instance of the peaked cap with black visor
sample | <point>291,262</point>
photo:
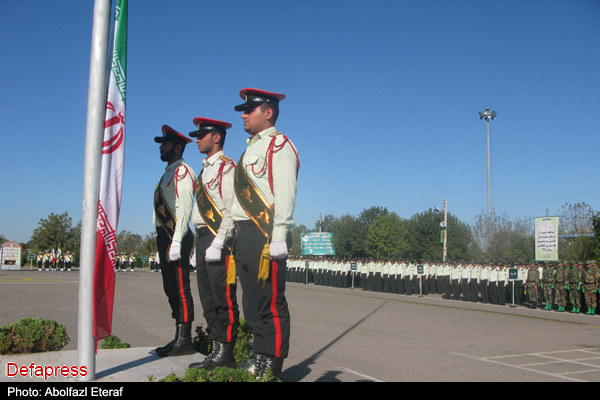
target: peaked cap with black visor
<point>255,97</point>
<point>171,134</point>
<point>206,125</point>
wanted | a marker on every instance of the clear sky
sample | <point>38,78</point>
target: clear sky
<point>382,101</point>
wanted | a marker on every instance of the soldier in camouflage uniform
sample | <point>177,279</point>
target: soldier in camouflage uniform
<point>547,284</point>
<point>575,287</point>
<point>590,287</point>
<point>533,280</point>
<point>560,279</point>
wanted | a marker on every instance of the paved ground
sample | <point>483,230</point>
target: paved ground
<point>338,335</point>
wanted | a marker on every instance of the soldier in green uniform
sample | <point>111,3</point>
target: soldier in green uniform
<point>533,280</point>
<point>575,287</point>
<point>559,282</point>
<point>547,284</point>
<point>590,287</point>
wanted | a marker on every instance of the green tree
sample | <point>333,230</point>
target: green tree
<point>346,239</point>
<point>387,237</point>
<point>148,245</point>
<point>129,243</point>
<point>296,233</point>
<point>53,231</point>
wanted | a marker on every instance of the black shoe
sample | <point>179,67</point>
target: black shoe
<point>183,342</point>
<point>264,362</point>
<point>213,351</point>
<point>223,358</point>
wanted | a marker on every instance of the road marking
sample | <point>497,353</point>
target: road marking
<point>525,367</point>
<point>362,375</point>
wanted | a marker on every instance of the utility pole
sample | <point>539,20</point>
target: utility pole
<point>445,232</point>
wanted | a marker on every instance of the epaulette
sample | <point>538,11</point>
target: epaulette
<point>273,134</point>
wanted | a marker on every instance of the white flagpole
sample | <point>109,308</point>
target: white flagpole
<point>86,347</point>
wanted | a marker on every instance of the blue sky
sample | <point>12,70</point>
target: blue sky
<point>382,101</point>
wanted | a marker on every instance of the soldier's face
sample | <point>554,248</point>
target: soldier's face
<point>167,151</point>
<point>206,143</point>
<point>257,119</point>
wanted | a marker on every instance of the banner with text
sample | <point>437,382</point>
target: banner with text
<point>317,244</point>
<point>546,239</point>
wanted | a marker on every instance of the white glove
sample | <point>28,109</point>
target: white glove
<point>213,253</point>
<point>278,249</point>
<point>175,251</point>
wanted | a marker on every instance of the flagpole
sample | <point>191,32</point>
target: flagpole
<point>86,346</point>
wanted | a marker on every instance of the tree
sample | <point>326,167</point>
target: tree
<point>129,243</point>
<point>54,231</point>
<point>296,232</point>
<point>576,232</point>
<point>148,245</point>
<point>387,237</point>
<point>325,223</point>
<point>503,240</point>
<point>346,239</point>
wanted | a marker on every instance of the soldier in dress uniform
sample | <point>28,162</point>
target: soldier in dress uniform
<point>40,260</point>
<point>68,260</point>
<point>265,188</point>
<point>212,220</point>
<point>131,261</point>
<point>484,284</point>
<point>173,205</point>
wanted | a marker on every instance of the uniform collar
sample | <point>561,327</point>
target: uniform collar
<point>261,135</point>
<point>174,165</point>
<point>212,159</point>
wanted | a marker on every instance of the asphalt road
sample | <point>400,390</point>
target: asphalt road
<point>342,335</point>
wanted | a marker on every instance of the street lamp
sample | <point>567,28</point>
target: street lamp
<point>487,115</point>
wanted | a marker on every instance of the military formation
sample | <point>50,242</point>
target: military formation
<point>559,286</point>
<point>51,261</point>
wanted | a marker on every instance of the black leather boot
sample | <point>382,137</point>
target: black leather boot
<point>264,362</point>
<point>183,342</point>
<point>214,350</point>
<point>223,357</point>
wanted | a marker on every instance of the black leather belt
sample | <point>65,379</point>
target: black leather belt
<point>239,225</point>
<point>202,231</point>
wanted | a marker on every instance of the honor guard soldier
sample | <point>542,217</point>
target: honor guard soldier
<point>40,260</point>
<point>47,258</point>
<point>69,260</point>
<point>173,203</point>
<point>212,220</point>
<point>265,189</point>
<point>131,262</point>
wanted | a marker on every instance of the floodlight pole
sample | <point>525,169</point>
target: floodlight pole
<point>487,115</point>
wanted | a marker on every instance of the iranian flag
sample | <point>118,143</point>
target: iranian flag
<point>111,180</point>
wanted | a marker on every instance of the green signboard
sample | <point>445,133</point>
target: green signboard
<point>317,244</point>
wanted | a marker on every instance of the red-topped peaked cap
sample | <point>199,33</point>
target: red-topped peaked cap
<point>171,134</point>
<point>206,125</point>
<point>255,97</point>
